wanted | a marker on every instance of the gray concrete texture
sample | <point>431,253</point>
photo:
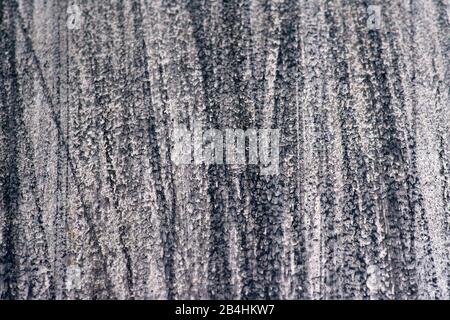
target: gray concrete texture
<point>92,207</point>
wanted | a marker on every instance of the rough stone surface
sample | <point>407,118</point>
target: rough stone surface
<point>91,205</point>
